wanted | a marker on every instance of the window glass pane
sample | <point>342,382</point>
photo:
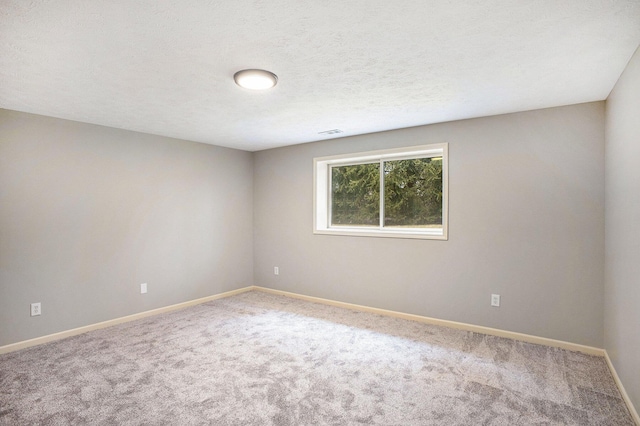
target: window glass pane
<point>355,195</point>
<point>413,193</point>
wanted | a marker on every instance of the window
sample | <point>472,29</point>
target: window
<point>399,193</point>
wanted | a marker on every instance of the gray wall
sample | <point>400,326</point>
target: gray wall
<point>87,213</point>
<point>622,253</point>
<point>526,221</point>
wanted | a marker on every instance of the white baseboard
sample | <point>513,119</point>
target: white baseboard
<point>73,332</point>
<point>625,396</point>
<point>451,324</point>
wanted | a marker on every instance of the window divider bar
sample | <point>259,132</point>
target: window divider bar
<point>381,194</point>
<point>329,195</point>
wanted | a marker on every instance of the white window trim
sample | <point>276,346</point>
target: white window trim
<point>321,215</point>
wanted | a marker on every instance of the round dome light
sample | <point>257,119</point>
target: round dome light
<point>255,79</point>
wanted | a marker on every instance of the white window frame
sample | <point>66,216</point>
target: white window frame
<point>322,194</point>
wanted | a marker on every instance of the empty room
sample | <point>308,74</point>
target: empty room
<point>320,212</point>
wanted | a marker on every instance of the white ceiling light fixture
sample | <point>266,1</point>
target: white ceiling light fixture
<point>255,79</point>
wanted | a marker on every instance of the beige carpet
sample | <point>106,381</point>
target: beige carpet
<point>260,359</point>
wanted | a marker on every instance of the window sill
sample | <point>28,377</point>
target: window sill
<point>431,234</point>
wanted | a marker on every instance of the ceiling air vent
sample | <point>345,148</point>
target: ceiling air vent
<point>330,132</point>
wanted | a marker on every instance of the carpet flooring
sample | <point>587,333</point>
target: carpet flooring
<point>261,359</point>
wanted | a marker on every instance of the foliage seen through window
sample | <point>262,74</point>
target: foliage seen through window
<point>412,191</point>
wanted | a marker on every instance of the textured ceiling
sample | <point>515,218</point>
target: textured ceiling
<point>166,67</point>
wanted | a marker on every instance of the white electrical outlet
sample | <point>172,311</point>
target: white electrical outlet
<point>276,270</point>
<point>143,288</point>
<point>495,300</point>
<point>36,309</point>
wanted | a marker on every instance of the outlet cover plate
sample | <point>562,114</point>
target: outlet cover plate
<point>495,300</point>
<point>143,288</point>
<point>36,309</point>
